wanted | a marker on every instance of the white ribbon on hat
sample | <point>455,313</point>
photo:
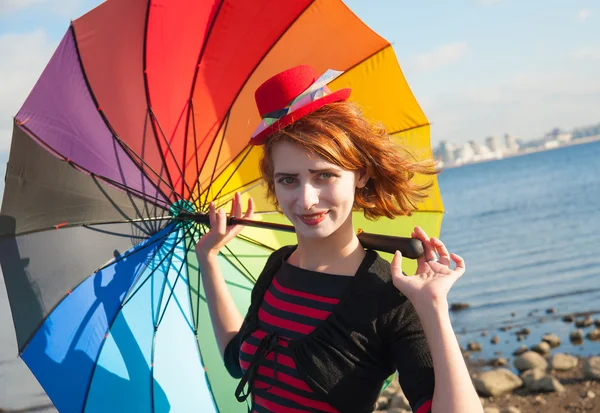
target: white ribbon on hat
<point>314,92</point>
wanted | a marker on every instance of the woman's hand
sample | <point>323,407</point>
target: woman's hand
<point>220,233</point>
<point>434,278</point>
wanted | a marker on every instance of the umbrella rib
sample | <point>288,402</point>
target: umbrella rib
<point>212,177</point>
<point>80,168</point>
<point>97,105</point>
<point>234,171</point>
<point>148,104</point>
<point>249,275</point>
<point>162,134</point>
<point>173,287</point>
<point>67,225</point>
<point>89,387</point>
<point>197,184</point>
<point>133,292</point>
<point>245,188</point>
<point>192,89</point>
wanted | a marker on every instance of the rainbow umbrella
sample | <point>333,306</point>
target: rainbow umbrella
<point>139,120</point>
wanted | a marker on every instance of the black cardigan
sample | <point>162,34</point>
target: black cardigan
<point>373,331</point>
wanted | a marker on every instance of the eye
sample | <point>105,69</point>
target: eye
<point>286,180</point>
<point>326,175</point>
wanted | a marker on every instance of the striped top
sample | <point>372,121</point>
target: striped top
<point>295,303</point>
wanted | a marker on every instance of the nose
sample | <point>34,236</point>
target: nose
<point>308,196</point>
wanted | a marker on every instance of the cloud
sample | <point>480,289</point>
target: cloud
<point>442,56</point>
<point>24,56</point>
<point>587,53</point>
<point>583,15</point>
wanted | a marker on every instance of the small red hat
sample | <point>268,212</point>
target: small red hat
<point>291,95</point>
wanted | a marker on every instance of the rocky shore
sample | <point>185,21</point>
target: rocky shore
<point>538,378</point>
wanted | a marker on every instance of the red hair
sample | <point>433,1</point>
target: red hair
<point>340,134</point>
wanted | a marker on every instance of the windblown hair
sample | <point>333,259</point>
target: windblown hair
<point>340,134</point>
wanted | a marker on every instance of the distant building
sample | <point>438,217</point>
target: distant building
<point>446,151</point>
<point>510,143</point>
<point>475,147</point>
<point>493,144</point>
<point>464,154</point>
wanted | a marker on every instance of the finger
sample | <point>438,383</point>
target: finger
<point>396,265</point>
<point>441,250</point>
<point>212,218</point>
<point>460,264</point>
<point>237,205</point>
<point>250,211</point>
<point>429,251</point>
<point>221,221</point>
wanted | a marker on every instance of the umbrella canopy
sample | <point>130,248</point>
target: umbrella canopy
<point>144,113</point>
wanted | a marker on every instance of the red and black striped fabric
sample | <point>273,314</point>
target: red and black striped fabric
<point>296,302</point>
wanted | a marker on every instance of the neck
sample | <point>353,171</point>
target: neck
<point>341,252</point>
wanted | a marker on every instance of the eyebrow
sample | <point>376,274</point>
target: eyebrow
<point>312,171</point>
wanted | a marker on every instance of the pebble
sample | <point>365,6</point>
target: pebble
<point>542,348</point>
<point>550,310</point>
<point>588,394</point>
<point>474,346</point>
<point>586,322</point>
<point>459,306</point>
<point>510,409</point>
<point>576,336</point>
<point>520,351</point>
<point>568,319</point>
<point>495,340</point>
<point>594,335</point>
<point>552,339</point>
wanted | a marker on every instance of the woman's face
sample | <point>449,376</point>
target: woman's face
<point>315,195</point>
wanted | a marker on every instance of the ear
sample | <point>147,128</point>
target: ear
<point>363,178</point>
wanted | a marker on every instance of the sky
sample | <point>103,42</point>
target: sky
<point>477,67</point>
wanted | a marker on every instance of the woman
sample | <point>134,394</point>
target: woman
<point>329,320</point>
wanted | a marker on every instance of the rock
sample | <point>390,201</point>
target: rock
<point>523,332</point>
<point>399,401</point>
<point>491,410</point>
<point>459,306</point>
<point>542,348</point>
<point>530,360</point>
<point>495,340</point>
<point>520,351</point>
<point>510,409</point>
<point>594,335</point>
<point>588,394</point>
<point>552,339</point>
<point>597,322</point>
<point>505,328</point>
<point>591,368</point>
<point>550,310</point>
<point>498,362</point>
<point>576,336</point>
<point>568,319</point>
<point>496,382</point>
<point>539,380</point>
<point>539,401</point>
<point>586,322</point>
<point>513,314</point>
<point>484,334</point>
<point>474,346</point>
<point>563,362</point>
